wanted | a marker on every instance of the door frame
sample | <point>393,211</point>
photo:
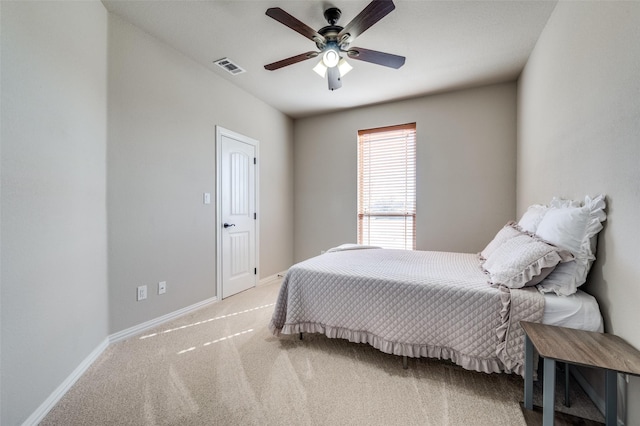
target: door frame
<point>220,132</point>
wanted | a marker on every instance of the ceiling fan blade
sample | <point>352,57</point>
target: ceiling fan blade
<point>294,23</point>
<point>375,11</point>
<point>375,57</point>
<point>333,77</point>
<point>290,61</point>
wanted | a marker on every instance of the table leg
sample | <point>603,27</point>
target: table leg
<point>611,397</point>
<point>528,373</point>
<point>567,401</point>
<point>548,396</point>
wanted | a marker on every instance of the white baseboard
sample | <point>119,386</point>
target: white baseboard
<point>40,413</point>
<point>592,394</point>
<point>272,278</point>
<point>137,329</point>
<point>44,408</point>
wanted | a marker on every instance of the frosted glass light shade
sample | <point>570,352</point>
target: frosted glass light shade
<point>320,69</point>
<point>344,67</point>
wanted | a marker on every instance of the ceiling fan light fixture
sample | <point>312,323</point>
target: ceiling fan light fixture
<point>320,69</point>
<point>330,58</point>
<point>333,40</point>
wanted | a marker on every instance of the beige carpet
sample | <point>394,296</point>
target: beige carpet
<point>221,366</point>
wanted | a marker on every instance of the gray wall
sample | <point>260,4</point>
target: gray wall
<point>82,89</point>
<point>466,150</point>
<point>54,260</point>
<point>163,109</point>
<point>578,130</point>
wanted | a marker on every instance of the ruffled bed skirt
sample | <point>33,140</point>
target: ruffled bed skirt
<point>396,348</point>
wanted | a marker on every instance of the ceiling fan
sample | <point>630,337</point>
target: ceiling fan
<point>333,40</point>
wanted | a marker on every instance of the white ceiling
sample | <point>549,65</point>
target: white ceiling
<point>448,45</point>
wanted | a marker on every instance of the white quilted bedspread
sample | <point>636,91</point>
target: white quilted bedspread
<point>413,303</point>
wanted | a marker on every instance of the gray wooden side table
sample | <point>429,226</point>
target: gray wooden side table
<point>590,349</point>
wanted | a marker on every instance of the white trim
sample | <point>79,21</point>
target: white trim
<point>220,131</point>
<point>40,413</point>
<point>271,278</point>
<point>592,394</point>
<point>44,408</point>
<point>218,220</point>
<point>136,329</point>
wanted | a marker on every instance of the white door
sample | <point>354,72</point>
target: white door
<point>237,215</point>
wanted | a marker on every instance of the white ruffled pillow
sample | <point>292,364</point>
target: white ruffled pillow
<point>574,228</point>
<point>523,260</point>
<point>563,202</point>
<point>565,227</point>
<point>532,217</point>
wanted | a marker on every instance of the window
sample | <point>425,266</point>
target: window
<point>387,187</point>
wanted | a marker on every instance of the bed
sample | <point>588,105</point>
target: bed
<point>464,307</point>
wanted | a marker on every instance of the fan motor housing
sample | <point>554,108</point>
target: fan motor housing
<point>332,15</point>
<point>330,34</point>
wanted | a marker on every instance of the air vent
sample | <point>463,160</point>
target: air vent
<point>229,66</point>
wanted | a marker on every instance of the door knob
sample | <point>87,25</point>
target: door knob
<point>229,225</point>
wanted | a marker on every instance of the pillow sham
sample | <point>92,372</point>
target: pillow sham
<point>508,231</point>
<point>564,227</point>
<point>532,217</point>
<point>564,279</point>
<point>581,238</point>
<point>563,202</point>
<point>520,261</point>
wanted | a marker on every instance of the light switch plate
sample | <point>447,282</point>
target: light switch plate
<point>142,293</point>
<point>162,287</point>
<point>206,198</point>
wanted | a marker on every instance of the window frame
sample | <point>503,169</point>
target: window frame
<point>390,163</point>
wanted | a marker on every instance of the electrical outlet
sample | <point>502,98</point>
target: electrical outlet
<point>142,292</point>
<point>162,287</point>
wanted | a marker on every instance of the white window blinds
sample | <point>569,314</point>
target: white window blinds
<point>387,187</point>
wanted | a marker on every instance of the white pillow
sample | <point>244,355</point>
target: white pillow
<point>519,261</point>
<point>563,202</point>
<point>565,279</point>
<point>580,237</point>
<point>532,217</point>
<point>564,227</point>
